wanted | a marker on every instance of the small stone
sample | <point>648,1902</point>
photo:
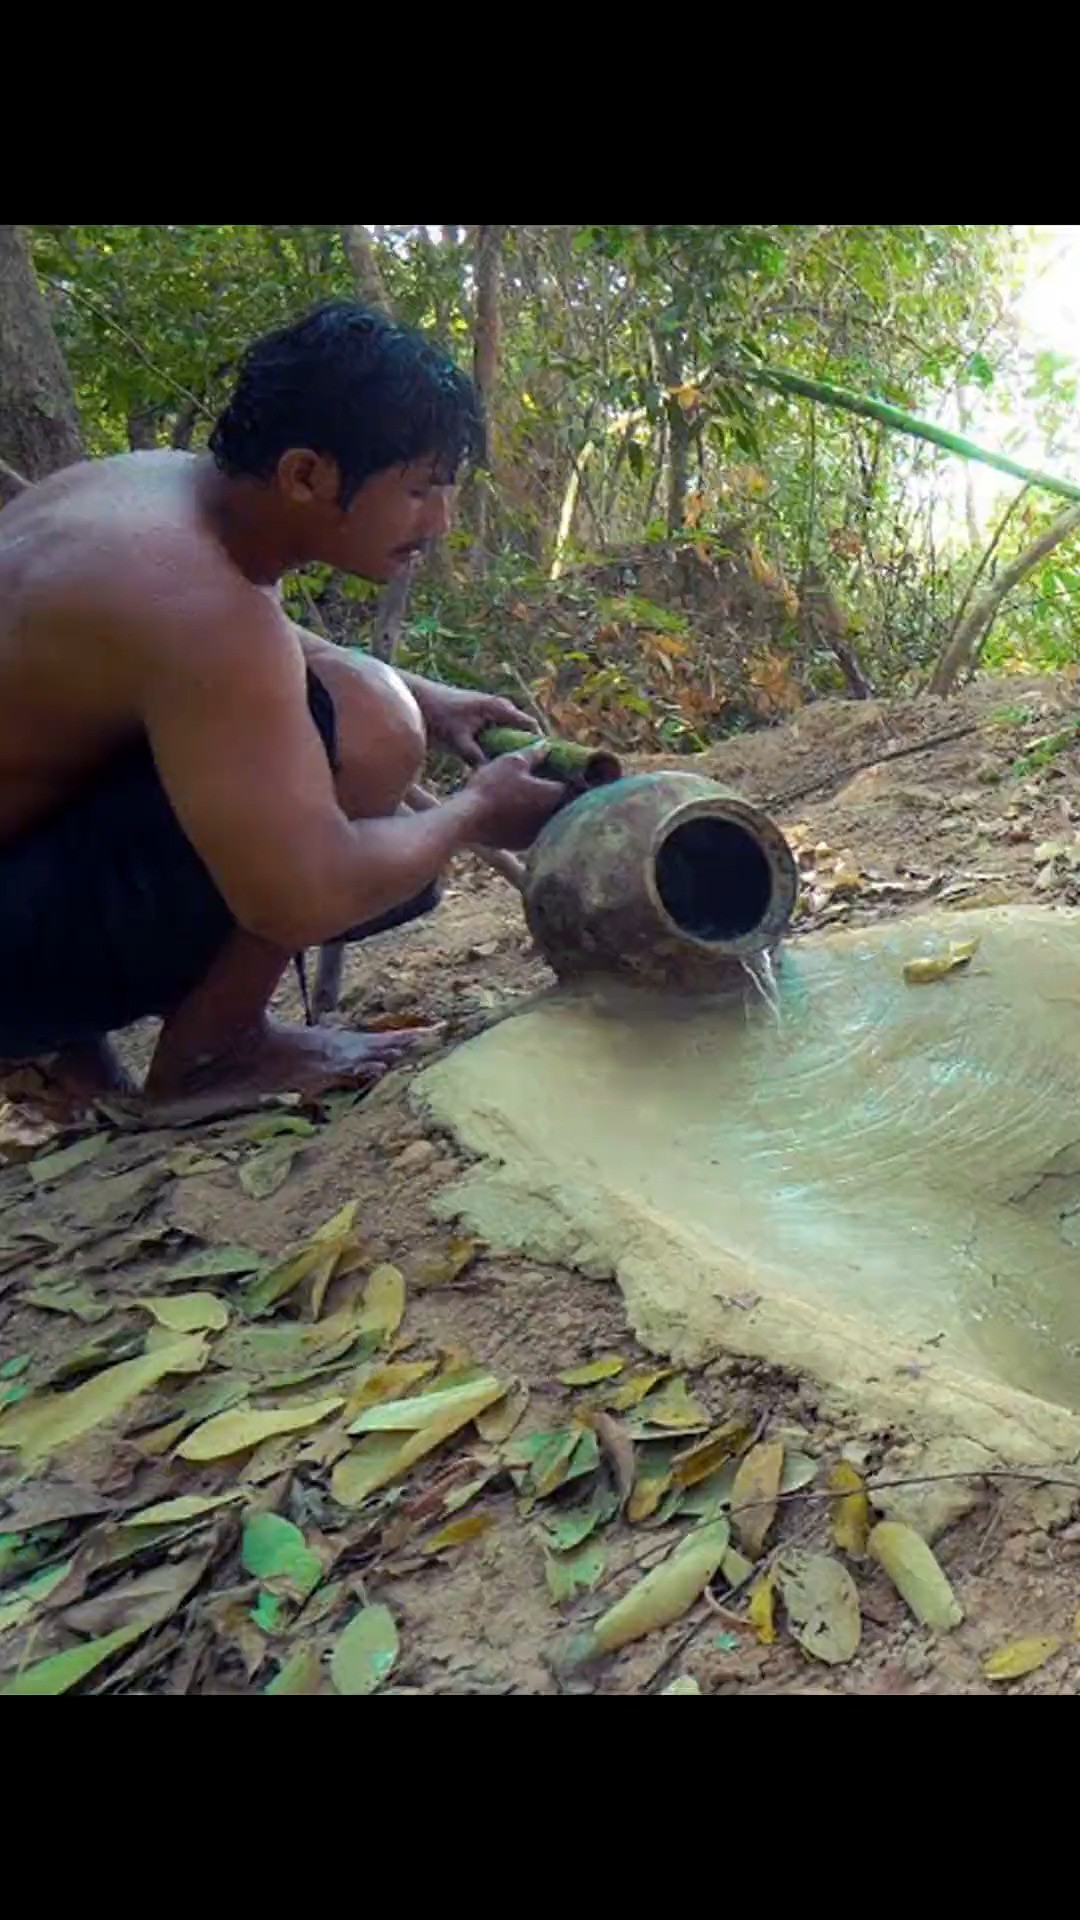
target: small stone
<point>415,1156</point>
<point>483,950</point>
<point>916,1660</point>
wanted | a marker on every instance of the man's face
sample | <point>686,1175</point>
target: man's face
<point>393,517</point>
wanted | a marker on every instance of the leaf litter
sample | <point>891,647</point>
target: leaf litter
<point>639,1442</point>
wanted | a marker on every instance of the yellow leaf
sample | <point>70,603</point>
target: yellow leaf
<point>188,1506</point>
<point>591,1372</point>
<point>317,1257</point>
<point>440,1268</point>
<point>1021,1656</point>
<point>709,1454</point>
<point>665,1594</point>
<point>935,966</point>
<point>633,1391</point>
<point>457,1532</point>
<point>736,1568</point>
<point>646,1494</point>
<point>682,1683</point>
<point>419,1410</point>
<point>915,1574</point>
<point>674,1407</point>
<point>498,1421</point>
<point>245,1427</point>
<point>754,1495</point>
<point>42,1424</point>
<point>381,1457</point>
<point>187,1312</point>
<point>384,1301</point>
<point>851,1513</point>
<point>160,1440</point>
<point>759,1611</point>
<point>821,1603</point>
<point>375,1384</point>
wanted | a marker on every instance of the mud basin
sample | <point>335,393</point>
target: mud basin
<point>883,1190</point>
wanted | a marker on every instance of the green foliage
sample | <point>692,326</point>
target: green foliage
<point>621,419</point>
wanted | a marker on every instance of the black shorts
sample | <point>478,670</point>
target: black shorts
<point>107,913</point>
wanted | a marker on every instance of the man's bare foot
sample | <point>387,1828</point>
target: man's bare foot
<point>276,1058</point>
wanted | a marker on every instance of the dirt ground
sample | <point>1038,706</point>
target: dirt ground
<point>990,814</point>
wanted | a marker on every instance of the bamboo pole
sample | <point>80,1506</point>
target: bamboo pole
<point>782,381</point>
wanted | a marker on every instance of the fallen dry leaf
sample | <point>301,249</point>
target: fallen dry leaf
<point>851,1512</point>
<point>384,1302</point>
<point>588,1374</point>
<point>936,966</point>
<point>1021,1656</point>
<point>439,1269</point>
<point>754,1495</point>
<point>822,1604</point>
<point>187,1312</point>
<point>384,1455</point>
<point>662,1596</point>
<point>761,1606</point>
<point>262,1173</point>
<point>497,1422</point>
<point>618,1450</point>
<point>188,1506</point>
<point>710,1454</point>
<point>245,1427</point>
<point>457,1533</point>
<point>673,1407</point>
<point>44,1423</point>
<point>915,1574</point>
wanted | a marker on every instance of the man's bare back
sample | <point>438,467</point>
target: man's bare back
<point>142,640</point>
<point>77,559</point>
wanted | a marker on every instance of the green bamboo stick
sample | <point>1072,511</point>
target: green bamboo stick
<point>823,390</point>
<point>575,766</point>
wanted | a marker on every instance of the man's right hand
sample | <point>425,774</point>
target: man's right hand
<point>510,804</point>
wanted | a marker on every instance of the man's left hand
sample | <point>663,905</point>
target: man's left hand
<point>455,716</point>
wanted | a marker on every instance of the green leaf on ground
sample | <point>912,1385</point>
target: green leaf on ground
<point>62,1671</point>
<point>365,1652</point>
<point>274,1549</point>
<point>215,1263</point>
<point>53,1166</point>
<point>570,1573</point>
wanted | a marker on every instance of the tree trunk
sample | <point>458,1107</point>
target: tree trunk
<point>390,609</point>
<point>964,647</point>
<point>486,330</point>
<point>360,255</point>
<point>142,430</point>
<point>39,424</point>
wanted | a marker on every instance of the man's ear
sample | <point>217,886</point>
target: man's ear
<point>305,477</point>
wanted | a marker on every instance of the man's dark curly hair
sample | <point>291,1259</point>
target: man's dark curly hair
<point>349,383</point>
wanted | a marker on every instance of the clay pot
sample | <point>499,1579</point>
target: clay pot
<point>663,876</point>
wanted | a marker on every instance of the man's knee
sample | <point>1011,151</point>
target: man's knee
<point>380,735</point>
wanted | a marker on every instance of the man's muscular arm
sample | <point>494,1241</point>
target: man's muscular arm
<point>223,697</point>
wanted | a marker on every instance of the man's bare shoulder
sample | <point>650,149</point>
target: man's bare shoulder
<point>121,545</point>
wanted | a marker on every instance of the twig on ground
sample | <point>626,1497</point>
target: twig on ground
<point>777,800</point>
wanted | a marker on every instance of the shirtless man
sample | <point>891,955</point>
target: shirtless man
<point>192,789</point>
